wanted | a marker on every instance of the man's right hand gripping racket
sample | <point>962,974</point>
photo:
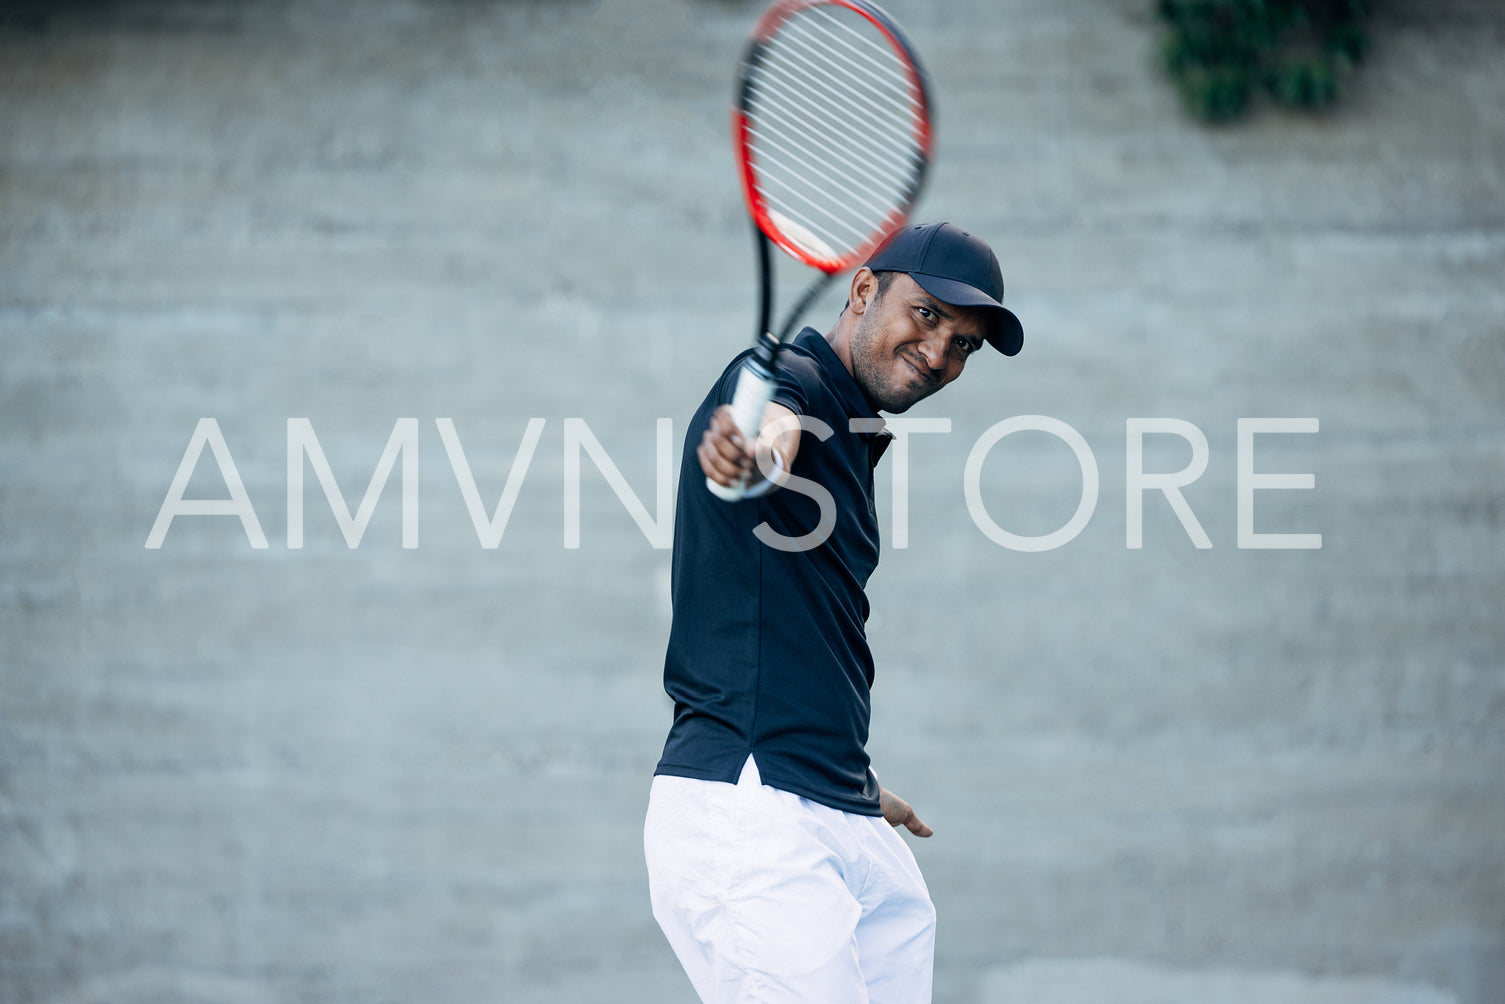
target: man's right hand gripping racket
<point>832,132</point>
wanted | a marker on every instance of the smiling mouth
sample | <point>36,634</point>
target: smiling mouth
<point>926,375</point>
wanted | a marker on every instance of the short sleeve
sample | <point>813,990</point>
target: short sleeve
<point>798,378</point>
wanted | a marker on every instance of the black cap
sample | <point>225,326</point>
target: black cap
<point>954,267</point>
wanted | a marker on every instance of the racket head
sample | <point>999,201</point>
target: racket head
<point>832,129</point>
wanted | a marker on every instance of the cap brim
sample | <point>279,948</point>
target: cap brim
<point>1005,333</point>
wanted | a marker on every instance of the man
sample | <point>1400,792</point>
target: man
<point>774,865</point>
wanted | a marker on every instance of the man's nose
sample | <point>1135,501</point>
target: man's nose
<point>934,351</point>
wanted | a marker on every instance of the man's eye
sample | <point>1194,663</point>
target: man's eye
<point>925,312</point>
<point>966,345</point>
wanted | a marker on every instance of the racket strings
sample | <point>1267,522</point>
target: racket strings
<point>814,101</point>
<point>835,123</point>
<point>861,67</point>
<point>858,122</point>
<point>802,135</point>
<point>863,82</point>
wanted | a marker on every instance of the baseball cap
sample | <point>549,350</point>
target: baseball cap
<point>955,267</point>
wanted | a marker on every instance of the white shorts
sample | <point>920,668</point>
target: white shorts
<point>768,897</point>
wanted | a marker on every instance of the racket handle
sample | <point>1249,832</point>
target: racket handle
<point>755,384</point>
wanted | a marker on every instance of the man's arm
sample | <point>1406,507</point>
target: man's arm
<point>725,457</point>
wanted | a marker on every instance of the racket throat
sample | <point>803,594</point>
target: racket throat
<point>810,295</point>
<point>765,354</point>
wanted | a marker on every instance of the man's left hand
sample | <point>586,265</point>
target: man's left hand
<point>897,812</point>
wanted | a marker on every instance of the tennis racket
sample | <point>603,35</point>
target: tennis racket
<point>833,135</point>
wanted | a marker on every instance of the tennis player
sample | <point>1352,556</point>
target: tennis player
<point>774,864</point>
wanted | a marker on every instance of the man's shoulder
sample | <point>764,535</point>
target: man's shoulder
<point>803,363</point>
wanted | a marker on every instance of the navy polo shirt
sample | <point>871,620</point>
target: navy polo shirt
<point>768,650</point>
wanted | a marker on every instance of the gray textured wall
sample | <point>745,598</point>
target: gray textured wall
<point>412,775</point>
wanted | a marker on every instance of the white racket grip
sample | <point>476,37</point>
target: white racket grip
<point>754,390</point>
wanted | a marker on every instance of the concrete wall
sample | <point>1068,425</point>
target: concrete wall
<point>1161,774</point>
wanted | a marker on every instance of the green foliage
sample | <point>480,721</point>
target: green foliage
<point>1221,53</point>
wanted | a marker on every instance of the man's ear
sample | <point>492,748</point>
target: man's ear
<point>863,290</point>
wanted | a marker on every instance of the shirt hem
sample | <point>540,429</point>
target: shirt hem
<point>858,807</point>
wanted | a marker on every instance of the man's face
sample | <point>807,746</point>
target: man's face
<point>907,344</point>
